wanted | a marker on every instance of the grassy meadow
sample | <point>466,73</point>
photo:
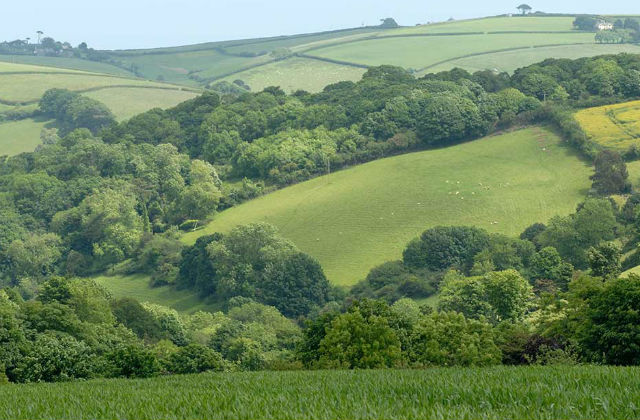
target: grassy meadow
<point>357,218</point>
<point>19,136</point>
<point>613,126</point>
<point>64,63</point>
<point>508,61</point>
<point>129,101</point>
<point>582,392</point>
<point>420,52</point>
<point>470,44</point>
<point>25,88</point>
<point>297,73</point>
<point>137,286</point>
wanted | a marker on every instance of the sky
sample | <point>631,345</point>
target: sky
<point>121,24</point>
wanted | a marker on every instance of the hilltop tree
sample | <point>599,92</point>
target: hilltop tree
<point>524,8</point>
<point>388,23</point>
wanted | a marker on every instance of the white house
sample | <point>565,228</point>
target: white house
<point>604,26</point>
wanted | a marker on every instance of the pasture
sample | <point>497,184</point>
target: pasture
<point>19,136</point>
<point>29,87</point>
<point>508,61</point>
<point>126,102</point>
<point>420,52</point>
<point>297,73</point>
<point>550,392</point>
<point>136,286</point>
<point>502,42</point>
<point>65,63</point>
<point>357,218</point>
<point>612,126</point>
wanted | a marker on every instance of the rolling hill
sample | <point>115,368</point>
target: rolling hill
<point>311,61</point>
<point>357,218</point>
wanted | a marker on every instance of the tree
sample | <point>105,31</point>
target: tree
<point>604,260</point>
<point>524,8</point>
<point>35,256</point>
<point>294,285</point>
<point>443,247</point>
<point>547,264</point>
<point>611,176</point>
<point>360,341</point>
<point>611,327</point>
<point>388,23</point>
<point>497,296</point>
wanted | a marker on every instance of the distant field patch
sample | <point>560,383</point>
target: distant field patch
<point>19,136</point>
<point>360,217</point>
<point>137,287</point>
<point>127,102</point>
<point>612,126</point>
<point>492,24</point>
<point>63,63</point>
<point>419,52</point>
<point>511,60</point>
<point>30,87</point>
<point>298,73</point>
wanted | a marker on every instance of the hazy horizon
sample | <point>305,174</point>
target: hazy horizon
<point>121,25</point>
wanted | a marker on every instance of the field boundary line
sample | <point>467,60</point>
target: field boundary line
<point>497,51</point>
<point>97,88</point>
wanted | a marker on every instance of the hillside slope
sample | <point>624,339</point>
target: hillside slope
<point>360,217</point>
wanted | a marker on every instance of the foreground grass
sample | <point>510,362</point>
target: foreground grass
<point>360,217</point>
<point>587,392</point>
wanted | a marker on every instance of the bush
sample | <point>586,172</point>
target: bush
<point>133,362</point>
<point>195,358</point>
<point>449,339</point>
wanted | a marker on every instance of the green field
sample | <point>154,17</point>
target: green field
<point>19,136</point>
<point>360,217</point>
<point>130,101</point>
<point>413,47</point>
<point>24,88</point>
<point>66,63</point>
<point>137,287</point>
<point>497,24</point>
<point>511,60</point>
<point>288,74</point>
<point>585,392</point>
<point>420,52</point>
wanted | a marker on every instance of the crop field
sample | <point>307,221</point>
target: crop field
<point>508,61</point>
<point>613,126</point>
<point>420,52</point>
<point>357,218</point>
<point>298,73</point>
<point>137,286</point>
<point>130,101</point>
<point>582,392</point>
<point>19,136</point>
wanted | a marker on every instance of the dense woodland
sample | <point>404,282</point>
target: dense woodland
<point>99,195</point>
